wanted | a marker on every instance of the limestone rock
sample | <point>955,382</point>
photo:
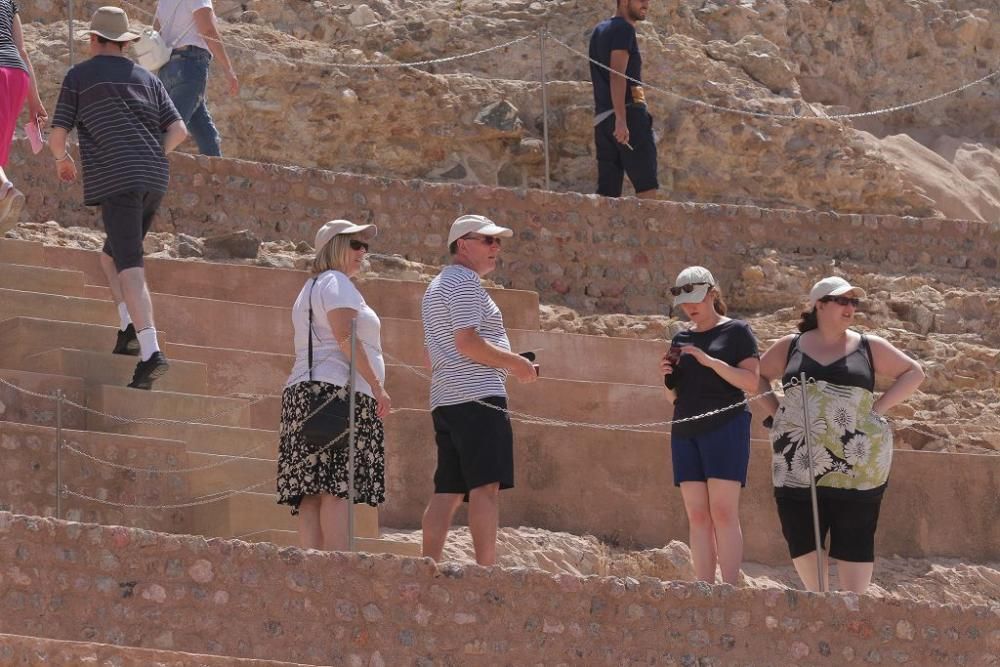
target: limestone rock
<point>234,245</point>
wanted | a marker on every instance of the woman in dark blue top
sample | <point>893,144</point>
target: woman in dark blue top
<point>707,371</point>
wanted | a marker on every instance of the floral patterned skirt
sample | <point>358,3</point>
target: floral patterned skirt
<point>303,472</point>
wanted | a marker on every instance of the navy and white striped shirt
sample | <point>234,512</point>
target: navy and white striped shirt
<point>9,55</point>
<point>120,111</point>
<point>455,300</point>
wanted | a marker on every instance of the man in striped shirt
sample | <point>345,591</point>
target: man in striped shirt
<point>470,356</point>
<point>126,124</point>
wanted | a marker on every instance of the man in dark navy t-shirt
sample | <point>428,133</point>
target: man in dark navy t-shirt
<point>623,127</point>
<point>126,124</point>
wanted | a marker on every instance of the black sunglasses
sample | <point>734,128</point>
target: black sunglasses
<point>842,300</point>
<point>358,245</point>
<point>487,240</point>
<point>676,291</point>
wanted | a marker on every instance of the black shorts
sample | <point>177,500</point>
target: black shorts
<point>850,523</point>
<point>475,446</point>
<point>127,218</point>
<point>614,160</point>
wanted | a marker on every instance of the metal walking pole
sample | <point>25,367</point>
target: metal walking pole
<point>545,102</point>
<point>59,485</point>
<point>350,440</point>
<point>812,484</point>
<point>72,57</point>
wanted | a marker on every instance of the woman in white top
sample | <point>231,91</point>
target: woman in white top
<point>313,481</point>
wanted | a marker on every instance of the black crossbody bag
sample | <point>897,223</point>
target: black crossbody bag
<point>328,417</point>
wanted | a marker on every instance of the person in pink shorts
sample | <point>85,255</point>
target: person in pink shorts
<point>17,82</point>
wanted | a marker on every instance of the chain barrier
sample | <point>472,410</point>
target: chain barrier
<point>690,100</point>
<point>255,51</point>
<point>779,116</point>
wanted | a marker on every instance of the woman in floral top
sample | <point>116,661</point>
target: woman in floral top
<point>851,442</point>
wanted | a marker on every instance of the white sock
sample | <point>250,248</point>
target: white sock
<point>124,316</point>
<point>147,343</point>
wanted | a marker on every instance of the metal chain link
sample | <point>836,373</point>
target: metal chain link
<point>777,116</point>
<point>374,66</point>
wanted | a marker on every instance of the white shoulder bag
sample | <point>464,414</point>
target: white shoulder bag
<point>151,50</point>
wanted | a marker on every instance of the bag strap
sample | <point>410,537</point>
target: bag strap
<point>311,328</point>
<point>173,15</point>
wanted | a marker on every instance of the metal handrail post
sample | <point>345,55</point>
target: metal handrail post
<point>72,55</point>
<point>59,448</point>
<point>350,437</point>
<point>806,424</point>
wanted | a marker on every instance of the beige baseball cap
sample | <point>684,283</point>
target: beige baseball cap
<point>699,278</point>
<point>476,224</point>
<point>111,23</point>
<point>833,286</point>
<point>337,227</point>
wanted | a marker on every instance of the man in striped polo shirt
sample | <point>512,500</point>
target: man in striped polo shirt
<point>470,356</point>
<point>126,124</point>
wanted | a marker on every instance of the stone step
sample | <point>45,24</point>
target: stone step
<point>288,538</point>
<point>42,279</point>
<point>22,650</point>
<point>279,287</point>
<point>14,251</point>
<point>202,322</point>
<point>39,406</point>
<point>228,473</point>
<point>116,369</point>
<point>248,514</point>
<point>117,405</point>
<point>213,439</point>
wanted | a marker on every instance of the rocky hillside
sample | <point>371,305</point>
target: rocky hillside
<point>478,120</point>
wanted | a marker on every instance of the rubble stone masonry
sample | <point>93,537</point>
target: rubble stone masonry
<point>588,252</point>
<point>137,588</point>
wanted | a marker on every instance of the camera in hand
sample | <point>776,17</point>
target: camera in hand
<point>530,356</point>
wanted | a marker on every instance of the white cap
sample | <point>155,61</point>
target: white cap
<point>468,224</point>
<point>337,227</point>
<point>690,276</point>
<point>833,286</point>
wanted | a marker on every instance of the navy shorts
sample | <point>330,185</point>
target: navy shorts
<point>127,218</point>
<point>475,446</point>
<point>614,160</point>
<point>722,453</point>
<point>850,522</point>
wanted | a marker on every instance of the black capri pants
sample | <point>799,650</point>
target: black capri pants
<point>127,218</point>
<point>850,523</point>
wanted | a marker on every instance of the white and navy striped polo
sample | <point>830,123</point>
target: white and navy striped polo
<point>9,55</point>
<point>120,112</point>
<point>455,300</point>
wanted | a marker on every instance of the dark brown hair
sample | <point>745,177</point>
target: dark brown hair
<point>807,320</point>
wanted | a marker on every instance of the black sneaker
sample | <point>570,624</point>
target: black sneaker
<point>149,370</point>
<point>128,342</point>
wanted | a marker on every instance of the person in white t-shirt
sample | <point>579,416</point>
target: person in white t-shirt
<point>189,28</point>
<point>314,483</point>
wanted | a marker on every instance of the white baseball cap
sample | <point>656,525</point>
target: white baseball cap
<point>337,227</point>
<point>700,278</point>
<point>833,286</point>
<point>468,224</point>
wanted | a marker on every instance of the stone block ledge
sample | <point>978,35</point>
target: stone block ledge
<point>589,252</point>
<point>138,588</point>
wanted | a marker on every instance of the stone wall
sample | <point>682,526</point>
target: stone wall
<point>137,588</point>
<point>28,483</point>
<point>585,251</point>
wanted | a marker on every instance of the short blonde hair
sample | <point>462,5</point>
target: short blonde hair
<point>333,256</point>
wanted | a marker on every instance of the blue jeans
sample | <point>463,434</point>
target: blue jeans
<point>185,76</point>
